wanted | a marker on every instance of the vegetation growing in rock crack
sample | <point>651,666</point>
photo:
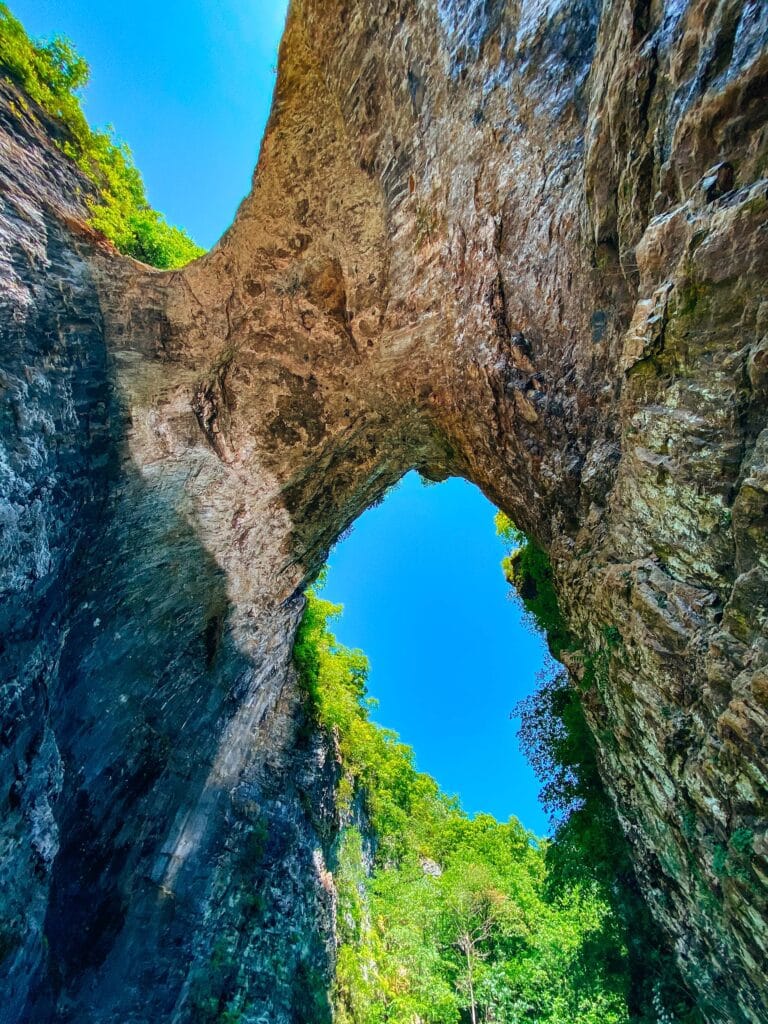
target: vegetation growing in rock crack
<point>447,919</point>
<point>53,75</point>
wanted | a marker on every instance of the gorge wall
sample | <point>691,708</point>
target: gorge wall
<point>521,242</point>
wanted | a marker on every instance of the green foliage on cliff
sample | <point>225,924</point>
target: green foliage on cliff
<point>588,847</point>
<point>375,763</point>
<point>527,568</point>
<point>53,75</point>
<point>444,919</point>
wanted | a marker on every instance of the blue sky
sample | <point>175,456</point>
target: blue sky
<point>426,600</point>
<point>188,86</point>
<point>186,83</point>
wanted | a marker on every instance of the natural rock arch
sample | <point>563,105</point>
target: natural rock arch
<point>523,243</point>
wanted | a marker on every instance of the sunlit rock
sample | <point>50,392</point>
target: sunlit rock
<point>524,243</point>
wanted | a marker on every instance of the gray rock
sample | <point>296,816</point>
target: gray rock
<point>180,450</point>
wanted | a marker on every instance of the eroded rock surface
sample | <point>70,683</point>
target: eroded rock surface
<point>521,242</point>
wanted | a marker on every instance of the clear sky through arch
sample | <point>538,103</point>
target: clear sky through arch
<point>188,85</point>
<point>451,655</point>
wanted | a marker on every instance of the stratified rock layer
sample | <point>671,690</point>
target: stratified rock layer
<point>524,243</point>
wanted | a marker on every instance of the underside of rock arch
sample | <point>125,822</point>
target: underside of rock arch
<point>525,243</point>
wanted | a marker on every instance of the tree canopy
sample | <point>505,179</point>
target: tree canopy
<point>443,918</point>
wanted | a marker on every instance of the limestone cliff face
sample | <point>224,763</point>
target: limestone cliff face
<point>521,242</point>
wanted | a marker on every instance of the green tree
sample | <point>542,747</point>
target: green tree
<point>476,911</point>
<point>443,918</point>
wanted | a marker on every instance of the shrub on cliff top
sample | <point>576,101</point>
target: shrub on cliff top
<point>53,74</point>
<point>528,569</point>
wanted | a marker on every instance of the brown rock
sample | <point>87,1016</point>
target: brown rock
<point>471,247</point>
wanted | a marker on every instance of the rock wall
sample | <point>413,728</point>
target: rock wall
<point>521,242</point>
